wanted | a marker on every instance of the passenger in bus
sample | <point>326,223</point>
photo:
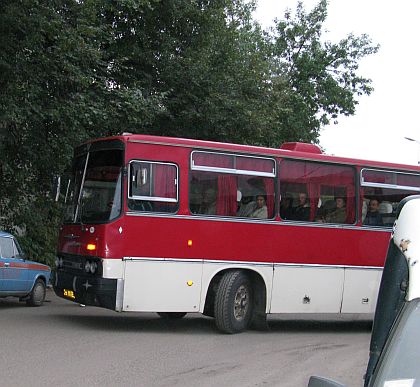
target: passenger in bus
<point>326,209</point>
<point>260,209</point>
<point>373,216</point>
<point>303,210</point>
<point>286,208</point>
<point>339,214</point>
<point>208,202</point>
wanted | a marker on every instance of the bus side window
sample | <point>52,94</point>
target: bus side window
<point>231,185</point>
<point>153,187</point>
<point>382,191</point>
<point>316,189</point>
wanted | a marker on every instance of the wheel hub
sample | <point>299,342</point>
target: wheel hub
<point>241,303</point>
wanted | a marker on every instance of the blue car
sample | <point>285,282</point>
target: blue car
<point>18,277</point>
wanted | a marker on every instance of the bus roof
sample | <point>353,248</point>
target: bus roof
<point>293,150</point>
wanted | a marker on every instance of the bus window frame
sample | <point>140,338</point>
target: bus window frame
<point>274,175</point>
<point>385,186</point>
<point>152,198</point>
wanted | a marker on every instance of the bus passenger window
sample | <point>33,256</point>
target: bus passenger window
<point>153,187</point>
<point>231,185</point>
<point>381,192</point>
<point>317,192</point>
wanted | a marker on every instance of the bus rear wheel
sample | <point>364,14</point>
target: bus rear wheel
<point>234,302</point>
<point>172,315</point>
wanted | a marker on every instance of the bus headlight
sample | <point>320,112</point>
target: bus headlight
<point>91,267</point>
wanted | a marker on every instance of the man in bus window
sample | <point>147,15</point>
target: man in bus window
<point>373,216</point>
<point>286,207</point>
<point>339,214</point>
<point>303,209</point>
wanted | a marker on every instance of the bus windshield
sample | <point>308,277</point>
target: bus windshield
<point>96,187</point>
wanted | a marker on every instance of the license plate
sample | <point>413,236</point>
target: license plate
<point>69,294</point>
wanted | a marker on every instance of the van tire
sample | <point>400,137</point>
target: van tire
<point>234,302</point>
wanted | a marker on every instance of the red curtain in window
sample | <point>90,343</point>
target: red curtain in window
<point>226,195</point>
<point>164,181</point>
<point>227,187</point>
<point>314,193</point>
<point>269,189</point>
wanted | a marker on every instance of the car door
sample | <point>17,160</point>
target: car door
<point>14,268</point>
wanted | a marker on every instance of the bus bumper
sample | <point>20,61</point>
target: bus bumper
<point>87,290</point>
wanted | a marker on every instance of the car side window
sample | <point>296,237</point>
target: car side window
<point>7,248</point>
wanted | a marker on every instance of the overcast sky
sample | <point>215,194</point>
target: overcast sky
<point>390,113</point>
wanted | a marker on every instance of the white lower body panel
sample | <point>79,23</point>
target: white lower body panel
<point>305,289</point>
<point>324,289</point>
<point>162,285</point>
<point>177,285</point>
<point>361,288</point>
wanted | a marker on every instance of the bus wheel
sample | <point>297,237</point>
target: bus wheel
<point>172,315</point>
<point>234,302</point>
<point>37,295</point>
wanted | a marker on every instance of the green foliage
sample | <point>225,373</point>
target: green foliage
<point>322,75</point>
<point>76,69</point>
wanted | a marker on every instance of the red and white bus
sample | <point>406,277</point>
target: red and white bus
<point>170,225</point>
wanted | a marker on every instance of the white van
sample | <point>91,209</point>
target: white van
<point>395,343</point>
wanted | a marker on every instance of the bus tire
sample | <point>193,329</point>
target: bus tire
<point>234,302</point>
<point>172,315</point>
<point>37,295</point>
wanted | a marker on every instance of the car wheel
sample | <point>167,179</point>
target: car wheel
<point>172,315</point>
<point>234,302</point>
<point>37,295</point>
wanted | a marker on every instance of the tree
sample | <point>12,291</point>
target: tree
<point>58,89</point>
<point>322,76</point>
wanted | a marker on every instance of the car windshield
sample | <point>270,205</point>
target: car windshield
<point>95,191</point>
<point>399,363</point>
